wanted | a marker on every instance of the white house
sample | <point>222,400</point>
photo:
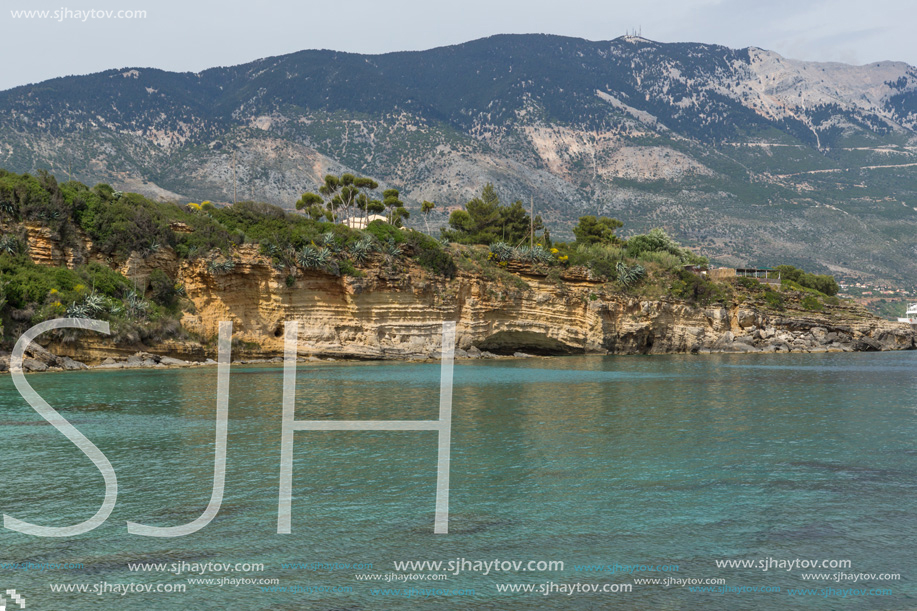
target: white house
<point>359,222</point>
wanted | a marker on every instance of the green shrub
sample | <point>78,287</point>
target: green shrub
<point>601,259</point>
<point>18,192</point>
<point>749,284</point>
<point>484,220</point>
<point>824,284</point>
<point>811,302</point>
<point>106,280</point>
<point>658,241</point>
<point>384,232</point>
<point>694,288</point>
<point>34,293</point>
<point>120,227</point>
<point>591,230</point>
<point>162,289</point>
<point>430,255</point>
<point>666,259</point>
<point>774,299</point>
<point>346,268</point>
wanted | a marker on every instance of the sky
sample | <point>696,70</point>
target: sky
<point>183,35</point>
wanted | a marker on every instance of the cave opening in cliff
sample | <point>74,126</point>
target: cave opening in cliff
<point>529,342</point>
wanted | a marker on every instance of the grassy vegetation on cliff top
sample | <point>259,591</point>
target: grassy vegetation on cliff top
<point>500,242</point>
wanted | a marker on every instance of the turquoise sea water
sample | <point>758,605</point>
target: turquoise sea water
<point>648,461</point>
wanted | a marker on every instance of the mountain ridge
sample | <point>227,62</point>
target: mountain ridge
<point>748,156</point>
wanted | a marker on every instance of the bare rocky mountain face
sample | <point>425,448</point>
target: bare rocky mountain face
<point>752,158</point>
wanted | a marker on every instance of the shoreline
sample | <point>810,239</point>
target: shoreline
<point>46,362</point>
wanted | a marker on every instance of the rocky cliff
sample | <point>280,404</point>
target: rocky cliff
<point>397,314</point>
<point>395,310</point>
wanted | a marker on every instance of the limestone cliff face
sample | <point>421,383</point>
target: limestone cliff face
<point>398,313</point>
<point>46,248</point>
<point>388,313</point>
<point>396,309</point>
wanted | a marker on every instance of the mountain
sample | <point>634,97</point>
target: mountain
<point>749,157</point>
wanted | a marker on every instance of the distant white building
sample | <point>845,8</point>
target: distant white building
<point>360,222</point>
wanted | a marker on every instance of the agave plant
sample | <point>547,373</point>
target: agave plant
<point>95,304</point>
<point>135,305</point>
<point>536,254</point>
<point>78,310</point>
<point>307,257</point>
<point>7,207</point>
<point>91,306</point>
<point>362,249</point>
<point>501,251</point>
<point>329,241</point>
<point>630,276</point>
<point>221,267</point>
<point>10,245</point>
<point>311,257</point>
<point>283,257</point>
<point>270,249</point>
<point>324,256</point>
<point>540,254</point>
<point>623,273</point>
<point>391,249</point>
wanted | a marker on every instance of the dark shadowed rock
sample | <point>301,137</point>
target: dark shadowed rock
<point>69,364</point>
<point>33,365</point>
<point>867,344</point>
<point>40,354</point>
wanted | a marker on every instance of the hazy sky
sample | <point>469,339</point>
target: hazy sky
<point>183,35</point>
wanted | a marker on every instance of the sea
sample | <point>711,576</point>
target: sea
<point>715,482</point>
